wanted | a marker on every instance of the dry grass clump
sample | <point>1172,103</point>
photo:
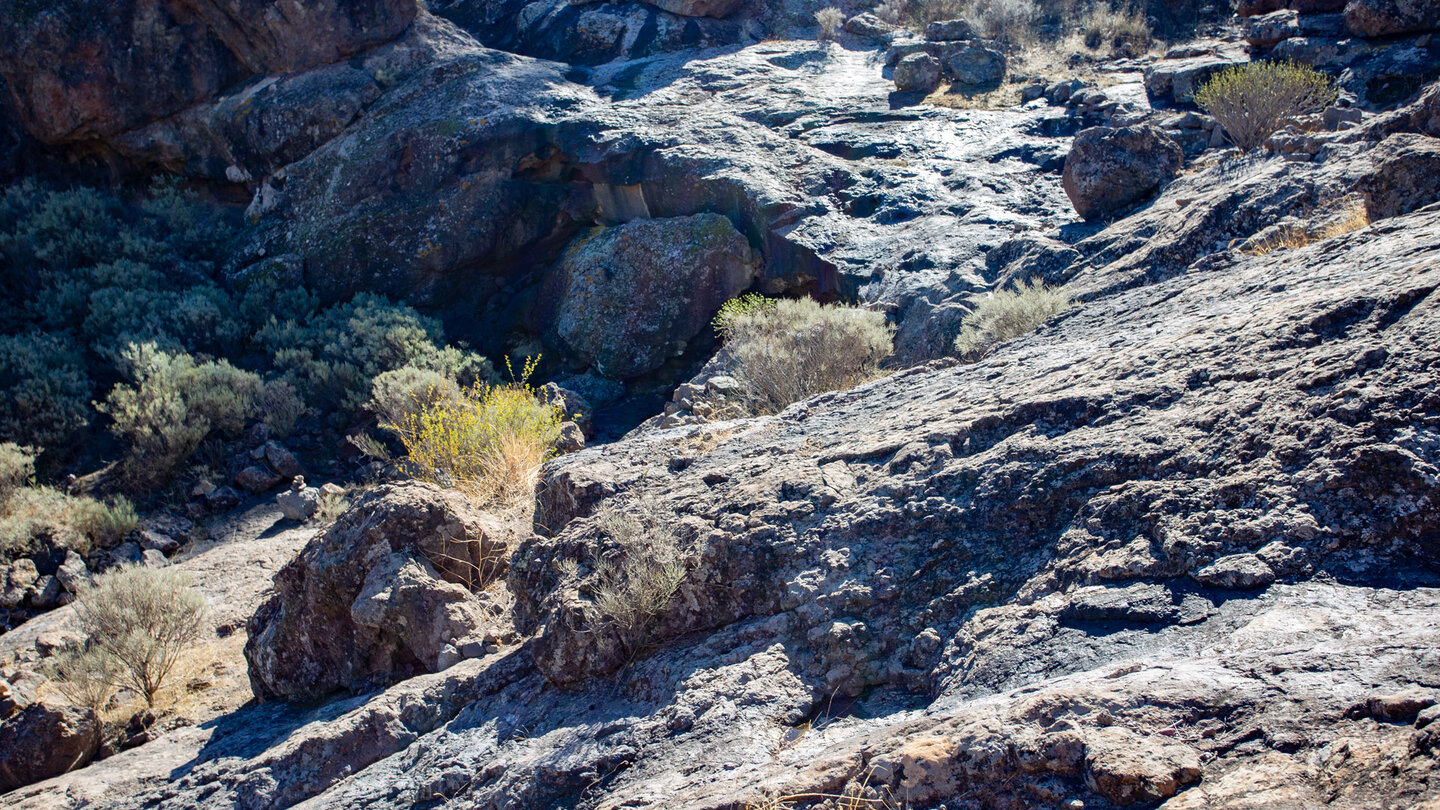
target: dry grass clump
<point>1008,314</point>
<point>137,621</point>
<point>32,517</point>
<point>489,444</point>
<point>639,573</point>
<point>785,351</point>
<point>1351,217</point>
<point>1252,101</point>
<point>1123,30</point>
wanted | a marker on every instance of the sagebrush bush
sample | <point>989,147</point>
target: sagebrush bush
<point>105,523</point>
<point>82,275</point>
<point>396,396</point>
<point>1252,101</point>
<point>333,358</point>
<point>45,390</point>
<point>142,619</point>
<point>84,675</point>
<point>489,444</point>
<point>1008,314</point>
<point>637,572</point>
<point>172,404</point>
<point>17,467</point>
<point>280,407</point>
<point>789,350</point>
<point>829,19</point>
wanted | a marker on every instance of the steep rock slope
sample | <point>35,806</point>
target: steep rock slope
<point>1179,547</point>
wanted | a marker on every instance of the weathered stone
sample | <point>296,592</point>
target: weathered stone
<point>918,72</point>
<point>1126,768</point>
<point>16,581</point>
<point>869,26</point>
<point>137,61</point>
<point>949,31</point>
<point>1237,571</point>
<point>1175,81</point>
<point>45,593</point>
<point>718,9</point>
<point>73,574</point>
<point>299,502</point>
<point>973,65</point>
<point>282,461</point>
<point>1426,115</point>
<point>44,740</point>
<point>1380,18</point>
<point>257,480</point>
<point>377,597</point>
<point>629,297</point>
<point>572,438</point>
<point>1399,706</point>
<point>1109,169</point>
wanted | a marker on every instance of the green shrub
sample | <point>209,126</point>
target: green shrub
<point>1008,314</point>
<point>172,404</point>
<point>397,396</point>
<point>793,350</point>
<point>1252,101</point>
<point>333,358</point>
<point>44,389</point>
<point>142,619</point>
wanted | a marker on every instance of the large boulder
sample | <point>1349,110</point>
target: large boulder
<point>973,65</point>
<point>44,739</point>
<point>631,296</point>
<point>1380,18</point>
<point>918,72</point>
<point>1110,168</point>
<point>131,62</point>
<point>387,592</point>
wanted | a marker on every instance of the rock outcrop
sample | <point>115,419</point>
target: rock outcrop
<point>387,592</point>
<point>44,739</point>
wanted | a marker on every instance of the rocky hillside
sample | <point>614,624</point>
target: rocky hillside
<point>1177,548</point>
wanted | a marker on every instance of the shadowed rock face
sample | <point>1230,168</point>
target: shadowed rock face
<point>380,596</point>
<point>129,63</point>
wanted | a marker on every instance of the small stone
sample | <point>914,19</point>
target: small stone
<point>330,490</point>
<point>153,559</point>
<point>571,439</point>
<point>256,480</point>
<point>917,73</point>
<point>282,461</point>
<point>300,502</point>
<point>16,581</point>
<point>73,574</point>
<point>223,499</point>
<point>163,543</point>
<point>45,593</point>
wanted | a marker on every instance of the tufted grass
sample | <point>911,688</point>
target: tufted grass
<point>1008,314</point>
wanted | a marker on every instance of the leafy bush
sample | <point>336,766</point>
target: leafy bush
<point>44,389</point>
<point>396,396</point>
<point>1252,101</point>
<point>489,444</point>
<point>786,351</point>
<point>333,358</point>
<point>1008,314</point>
<point>172,404</point>
<point>829,19</point>
<point>142,619</point>
<point>637,574</point>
